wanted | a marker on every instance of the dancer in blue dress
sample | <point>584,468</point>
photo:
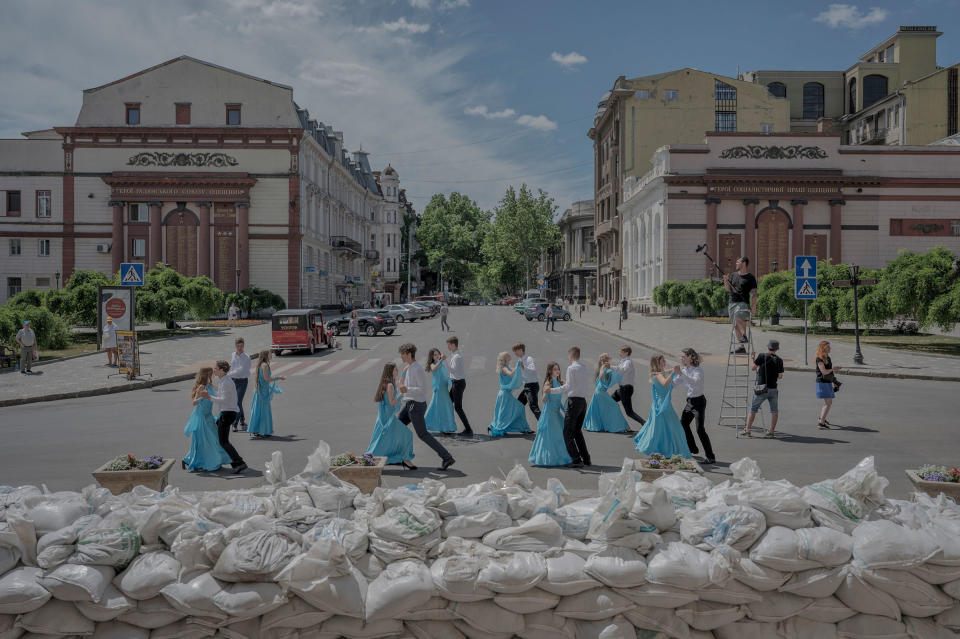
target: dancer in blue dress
<point>261,414</point>
<point>603,414</point>
<point>205,451</point>
<point>439,415</point>
<point>391,438</point>
<point>549,447</point>
<point>663,432</point>
<point>508,414</point>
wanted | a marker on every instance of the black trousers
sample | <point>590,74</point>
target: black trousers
<point>573,430</point>
<point>224,422</point>
<point>413,412</point>
<point>456,396</point>
<point>241,384</point>
<point>624,395</point>
<point>528,396</point>
<point>696,407</point>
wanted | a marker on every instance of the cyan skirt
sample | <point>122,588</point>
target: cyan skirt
<point>824,390</point>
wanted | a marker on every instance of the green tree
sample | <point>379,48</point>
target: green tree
<point>706,297</point>
<point>923,286</point>
<point>524,228</point>
<point>253,299</point>
<point>25,299</point>
<point>82,291</point>
<point>451,235</point>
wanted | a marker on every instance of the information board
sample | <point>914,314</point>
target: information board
<point>118,302</point>
<point>129,353</point>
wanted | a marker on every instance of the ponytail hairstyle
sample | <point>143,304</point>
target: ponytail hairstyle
<point>693,355</point>
<point>604,359</point>
<point>548,380</point>
<point>386,377</point>
<point>262,360</point>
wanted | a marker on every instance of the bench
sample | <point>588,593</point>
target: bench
<point>7,356</point>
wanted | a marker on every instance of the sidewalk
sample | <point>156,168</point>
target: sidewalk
<point>671,334</point>
<point>161,362</point>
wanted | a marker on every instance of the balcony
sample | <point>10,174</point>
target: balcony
<point>371,254</point>
<point>875,136</point>
<point>605,228</point>
<point>344,244</point>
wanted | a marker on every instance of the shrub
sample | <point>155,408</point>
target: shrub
<point>52,332</point>
<point>706,297</point>
<point>253,299</point>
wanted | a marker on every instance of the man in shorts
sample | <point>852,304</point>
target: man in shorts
<point>742,287</point>
<point>769,369</point>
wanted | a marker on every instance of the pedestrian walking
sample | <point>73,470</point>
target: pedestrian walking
<point>240,365</point>
<point>205,452</point>
<point>691,376</point>
<point>623,308</point>
<point>391,438</point>
<point>827,383</point>
<point>603,414</point>
<point>233,313</point>
<point>353,328</point>
<point>531,385</point>
<point>458,382</point>
<point>742,287</point>
<point>576,387</point>
<point>226,399</point>
<point>265,387</point>
<point>769,369</point>
<point>548,448</point>
<point>551,319</point>
<point>624,393</point>
<point>439,416</point>
<point>27,340</point>
<point>414,389</point>
<point>444,313</point>
<point>109,339</point>
<point>508,413</point>
<point>663,432</point>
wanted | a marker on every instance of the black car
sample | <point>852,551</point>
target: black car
<point>369,322</point>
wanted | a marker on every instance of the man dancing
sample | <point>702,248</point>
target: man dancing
<point>577,387</point>
<point>414,389</point>
<point>531,384</point>
<point>624,394</point>
<point>459,382</point>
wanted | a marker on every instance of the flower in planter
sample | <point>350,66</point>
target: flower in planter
<point>931,472</point>
<point>129,462</point>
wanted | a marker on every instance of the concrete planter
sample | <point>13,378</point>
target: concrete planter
<point>934,488</point>
<point>366,478</point>
<point>650,474</point>
<point>121,481</point>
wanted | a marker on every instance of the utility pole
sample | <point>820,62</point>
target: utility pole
<point>409,253</point>
<point>855,282</point>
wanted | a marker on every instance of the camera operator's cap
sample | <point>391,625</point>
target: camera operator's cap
<point>109,320</point>
<point>773,345</point>
<point>26,322</point>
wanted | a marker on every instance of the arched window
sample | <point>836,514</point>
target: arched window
<point>812,101</point>
<point>777,89</point>
<point>853,96</point>
<point>874,88</point>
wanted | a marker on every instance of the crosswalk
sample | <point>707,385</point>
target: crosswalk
<point>366,365</point>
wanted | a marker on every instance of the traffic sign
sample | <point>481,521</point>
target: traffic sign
<point>805,282</point>
<point>131,274</point>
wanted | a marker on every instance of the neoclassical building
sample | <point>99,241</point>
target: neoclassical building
<point>772,197</point>
<point>571,269</point>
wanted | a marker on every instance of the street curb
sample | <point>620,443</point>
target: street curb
<point>843,371</point>
<point>109,390</point>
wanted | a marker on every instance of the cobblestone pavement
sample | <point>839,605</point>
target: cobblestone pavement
<point>711,340</point>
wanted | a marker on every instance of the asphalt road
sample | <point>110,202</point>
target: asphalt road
<point>329,396</point>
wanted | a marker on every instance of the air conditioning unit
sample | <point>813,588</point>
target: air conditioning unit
<point>103,248</point>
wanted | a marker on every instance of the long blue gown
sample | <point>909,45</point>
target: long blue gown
<point>261,415</point>
<point>508,414</point>
<point>548,447</point>
<point>205,451</point>
<point>439,415</point>
<point>663,432</point>
<point>604,414</point>
<point>391,437</point>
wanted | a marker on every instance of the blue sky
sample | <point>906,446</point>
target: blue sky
<point>468,95</point>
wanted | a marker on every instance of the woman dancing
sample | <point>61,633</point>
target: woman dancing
<point>261,415</point>
<point>391,438</point>
<point>205,451</point>
<point>439,415</point>
<point>604,414</point>
<point>663,432</point>
<point>549,448</point>
<point>508,414</point>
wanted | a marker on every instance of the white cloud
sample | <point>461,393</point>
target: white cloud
<point>397,26</point>
<point>453,4</point>
<point>568,60</point>
<point>481,110</point>
<point>420,4</point>
<point>850,16</point>
<point>538,122</point>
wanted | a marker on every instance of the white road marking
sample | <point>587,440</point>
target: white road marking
<point>279,368</point>
<point>477,362</point>
<point>314,366</point>
<point>338,366</point>
<point>366,365</point>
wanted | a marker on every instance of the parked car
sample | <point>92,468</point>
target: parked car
<point>298,329</point>
<point>520,307</point>
<point>539,312</point>
<point>421,311</point>
<point>370,322</point>
<point>425,306</point>
<point>402,313</point>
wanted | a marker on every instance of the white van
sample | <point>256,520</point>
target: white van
<point>532,293</point>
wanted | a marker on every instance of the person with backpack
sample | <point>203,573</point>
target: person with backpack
<point>769,369</point>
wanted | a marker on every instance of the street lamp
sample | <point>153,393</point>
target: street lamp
<point>775,318</point>
<point>57,275</point>
<point>238,280</point>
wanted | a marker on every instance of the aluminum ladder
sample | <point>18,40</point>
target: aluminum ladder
<point>737,384</point>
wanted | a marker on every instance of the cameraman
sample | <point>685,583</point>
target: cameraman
<point>742,287</point>
<point>827,384</point>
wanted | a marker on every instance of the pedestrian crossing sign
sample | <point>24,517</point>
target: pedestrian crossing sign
<point>806,289</point>
<point>805,272</point>
<point>131,274</point>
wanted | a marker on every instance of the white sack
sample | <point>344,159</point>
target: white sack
<point>436,609</point>
<point>950,618</point>
<point>658,620</point>
<point>10,557</point>
<point>247,600</point>
<point>794,550</point>
<point>473,505</point>
<point>936,574</point>
<point>827,610</point>
<point>732,592</point>
<point>488,617</point>
<point>527,602</point>
<point>617,628</point>
<point>402,532</point>
<point>56,618</point>
<point>476,525</point>
<point>653,506</point>
<point>21,592</point>
<point>952,588</point>
<point>147,574</point>
<point>574,518</point>
<point>112,604</point>
<point>757,576</point>
<point>119,630</point>
<point>800,628</point>
<point>55,511</point>
<point>884,544</point>
<point>815,583</point>
<point>735,526</point>
<point>617,567</point>
<point>539,534</point>
<point>915,597</point>
<point>194,594</point>
<point>112,543</point>
<point>659,596</point>
<point>860,596</point>
<point>456,577</point>
<point>324,577</point>
<point>679,565</point>
<point>871,627</point>
<point>565,575</point>
<point>777,606</point>
<point>258,556</point>
<point>781,502</point>
<point>230,507</point>
<point>926,629</point>
<point>70,582</point>
<point>295,613</point>
<point>352,535</point>
<point>433,630</point>
<point>183,629</point>
<point>546,625</point>
<point>617,495</point>
<point>55,547</point>
<point>599,603</point>
<point>704,615</point>
<point>402,586</point>
<point>507,572</point>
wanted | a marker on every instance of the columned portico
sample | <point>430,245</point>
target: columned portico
<point>117,241</point>
<point>836,230</point>
<point>203,238</point>
<point>156,234</point>
<point>750,230</point>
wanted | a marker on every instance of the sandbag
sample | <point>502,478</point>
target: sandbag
<point>325,578</point>
<point>599,603</point>
<point>111,543</point>
<point>21,592</point>
<point>404,532</point>
<point>547,625</point>
<point>653,506</point>
<point>704,615</point>
<point>295,613</point>
<point>111,605</point>
<point>950,618</point>
<point>731,592</point>
<point>795,550</point>
<point>617,628</point>
<point>918,628</point>
<point>679,565</point>
<point>241,601</point>
<point>55,511</point>
<point>884,544</point>
<point>777,606</point>
<point>433,630</point>
<point>539,534</point>
<point>230,507</point>
<point>781,503</point>
<point>435,609</point>
<point>659,596</point>
<point>815,583</point>
<point>9,558</point>
<point>183,629</point>
<point>456,577</point>
<point>617,567</point>
<point>473,505</point>
<point>402,586</point>
<point>915,597</point>
<point>488,617</point>
<point>194,594</point>
<point>476,525</point>
<point>507,572</point>
<point>147,575</point>
<point>757,576</point>
<point>566,576</point>
<point>152,613</point>
<point>828,610</point>
<point>864,598</point>
<point>258,556</point>
<point>352,535</point>
<point>734,526</point>
<point>54,548</point>
<point>70,582</point>
<point>871,627</point>
<point>528,601</point>
<point>119,630</point>
<point>658,620</point>
<point>800,628</point>
<point>56,618</point>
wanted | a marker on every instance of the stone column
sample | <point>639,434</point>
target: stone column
<point>117,248</point>
<point>156,235</point>
<point>835,230</point>
<point>203,238</point>
<point>712,203</point>
<point>243,243</point>
<point>750,231</point>
<point>797,226</point>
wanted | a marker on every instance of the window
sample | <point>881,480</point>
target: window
<point>670,94</point>
<point>852,90</point>
<point>139,213</point>
<point>14,284</point>
<point>373,241</point>
<point>777,89</point>
<point>388,240</point>
<point>896,115</point>
<point>43,203</point>
<point>726,122</point>
<point>13,203</point>
<point>725,91</point>
<point>233,114</point>
<point>14,247</point>
<point>139,246</point>
<point>182,112</point>
<point>812,101</point>
<point>888,55</point>
<point>766,128</point>
<point>874,88</point>
<point>642,94</point>
<point>43,248</point>
<point>133,113</point>
<point>43,282</point>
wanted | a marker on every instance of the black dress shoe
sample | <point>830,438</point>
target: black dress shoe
<point>408,465</point>
<point>710,461</point>
<point>575,464</point>
<point>447,463</point>
<point>467,432</point>
<point>587,462</point>
<point>239,469</point>
<point>183,464</point>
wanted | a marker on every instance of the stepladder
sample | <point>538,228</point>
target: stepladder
<point>737,384</point>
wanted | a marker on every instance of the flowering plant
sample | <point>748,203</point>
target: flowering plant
<point>350,459</point>
<point>129,462</point>
<point>662,462</point>
<point>930,472</point>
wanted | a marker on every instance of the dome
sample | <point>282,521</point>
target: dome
<point>389,170</point>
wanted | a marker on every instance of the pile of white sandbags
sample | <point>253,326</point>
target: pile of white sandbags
<point>311,557</point>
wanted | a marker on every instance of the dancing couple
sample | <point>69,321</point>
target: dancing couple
<point>508,413</point>
<point>210,446</point>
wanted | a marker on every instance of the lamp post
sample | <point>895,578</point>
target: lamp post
<point>775,318</point>
<point>57,275</point>
<point>854,283</point>
<point>238,280</point>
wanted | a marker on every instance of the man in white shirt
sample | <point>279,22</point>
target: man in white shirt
<point>578,387</point>
<point>234,312</point>
<point>691,376</point>
<point>414,389</point>
<point>458,380</point>
<point>226,398</point>
<point>240,374</point>
<point>531,384</point>
<point>110,342</point>
<point>551,318</point>
<point>624,394</point>
<point>27,341</point>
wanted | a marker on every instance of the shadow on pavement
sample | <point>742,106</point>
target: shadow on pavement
<point>228,474</point>
<point>423,472</point>
<point>855,429</point>
<point>806,439</point>
<point>278,438</point>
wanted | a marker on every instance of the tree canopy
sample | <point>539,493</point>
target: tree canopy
<point>451,234</point>
<point>523,228</point>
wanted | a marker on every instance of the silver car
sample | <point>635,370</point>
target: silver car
<point>430,310</point>
<point>421,311</point>
<point>400,313</point>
